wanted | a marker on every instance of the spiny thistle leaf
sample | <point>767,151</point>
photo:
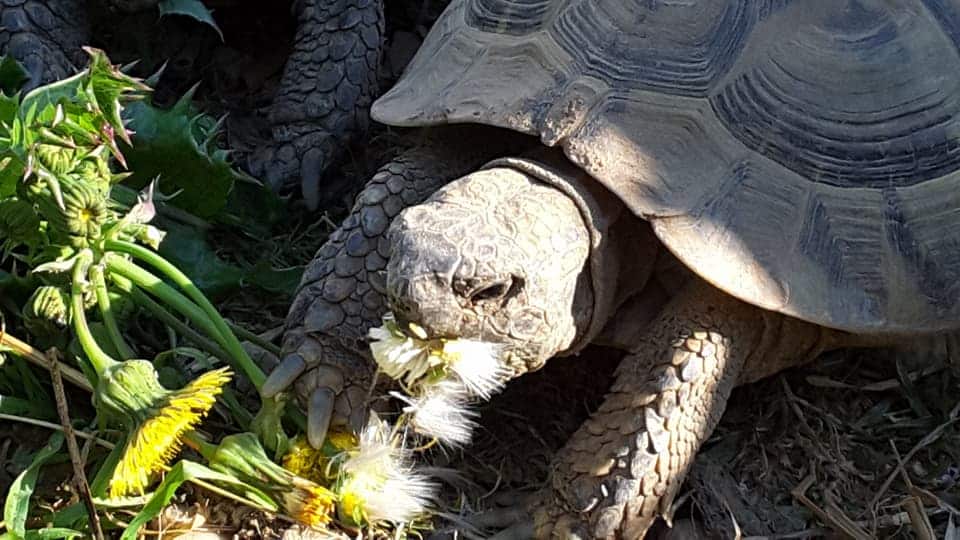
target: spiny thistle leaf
<point>90,101</point>
<point>190,8</point>
<point>177,145</point>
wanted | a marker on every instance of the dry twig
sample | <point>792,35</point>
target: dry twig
<point>79,476</point>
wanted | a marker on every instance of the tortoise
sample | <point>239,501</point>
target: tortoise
<point>322,103</point>
<point>799,157</point>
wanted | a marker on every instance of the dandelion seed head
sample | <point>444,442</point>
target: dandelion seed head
<point>409,359</point>
<point>441,412</point>
<point>380,484</point>
<point>477,364</point>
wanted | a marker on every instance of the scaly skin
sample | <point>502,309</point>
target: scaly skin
<point>323,101</point>
<point>46,36</point>
<point>623,467</point>
<point>341,295</point>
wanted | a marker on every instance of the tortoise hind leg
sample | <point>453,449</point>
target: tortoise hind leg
<point>624,465</point>
<point>46,36</point>
<point>328,84</point>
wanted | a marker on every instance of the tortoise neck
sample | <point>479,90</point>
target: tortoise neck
<point>622,246</point>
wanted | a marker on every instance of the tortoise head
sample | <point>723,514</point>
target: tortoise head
<point>496,256</point>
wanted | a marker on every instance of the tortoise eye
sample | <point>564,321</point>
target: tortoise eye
<point>496,290</point>
<point>491,292</point>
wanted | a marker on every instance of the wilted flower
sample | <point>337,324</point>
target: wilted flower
<point>477,364</point>
<point>378,482</point>
<point>414,360</point>
<point>441,411</point>
<point>157,418</point>
<point>399,356</point>
<point>243,457</point>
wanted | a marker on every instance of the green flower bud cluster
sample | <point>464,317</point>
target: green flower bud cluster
<point>77,217</point>
<point>56,159</point>
<point>47,311</point>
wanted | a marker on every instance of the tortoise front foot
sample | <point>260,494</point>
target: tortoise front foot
<point>330,381</point>
<point>45,36</point>
<point>323,102</point>
<point>544,515</point>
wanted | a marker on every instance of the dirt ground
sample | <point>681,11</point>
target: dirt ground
<point>861,444</point>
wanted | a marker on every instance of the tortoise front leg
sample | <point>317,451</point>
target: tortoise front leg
<point>328,84</point>
<point>46,36</point>
<point>624,465</point>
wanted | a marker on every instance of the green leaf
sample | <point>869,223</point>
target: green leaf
<point>17,506</point>
<point>190,8</point>
<point>177,146</point>
<point>8,108</point>
<point>101,87</point>
<point>12,76</point>
<point>53,533</point>
<point>24,407</point>
<point>254,208</point>
<point>276,280</point>
<point>185,471</point>
<point>189,250</point>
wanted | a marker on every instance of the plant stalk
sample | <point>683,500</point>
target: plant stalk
<point>106,312</point>
<point>230,341</point>
<point>98,358</point>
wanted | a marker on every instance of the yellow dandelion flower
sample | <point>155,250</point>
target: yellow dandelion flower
<point>301,459</point>
<point>319,465</point>
<point>243,457</point>
<point>158,434</point>
<point>309,503</point>
<point>342,440</point>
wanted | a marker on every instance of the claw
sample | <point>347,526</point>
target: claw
<point>283,376</point>
<point>357,419</point>
<point>311,168</point>
<point>319,413</point>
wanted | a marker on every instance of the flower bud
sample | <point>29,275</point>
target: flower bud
<point>47,311</point>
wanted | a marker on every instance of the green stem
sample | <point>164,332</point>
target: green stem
<point>118,266</point>
<point>163,315</point>
<point>99,359</point>
<point>254,338</point>
<point>106,312</point>
<point>182,304</point>
<point>231,343</point>
<point>201,445</point>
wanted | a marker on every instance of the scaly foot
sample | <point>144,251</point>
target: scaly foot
<point>328,84</point>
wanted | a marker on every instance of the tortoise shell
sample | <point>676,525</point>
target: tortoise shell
<point>802,155</point>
